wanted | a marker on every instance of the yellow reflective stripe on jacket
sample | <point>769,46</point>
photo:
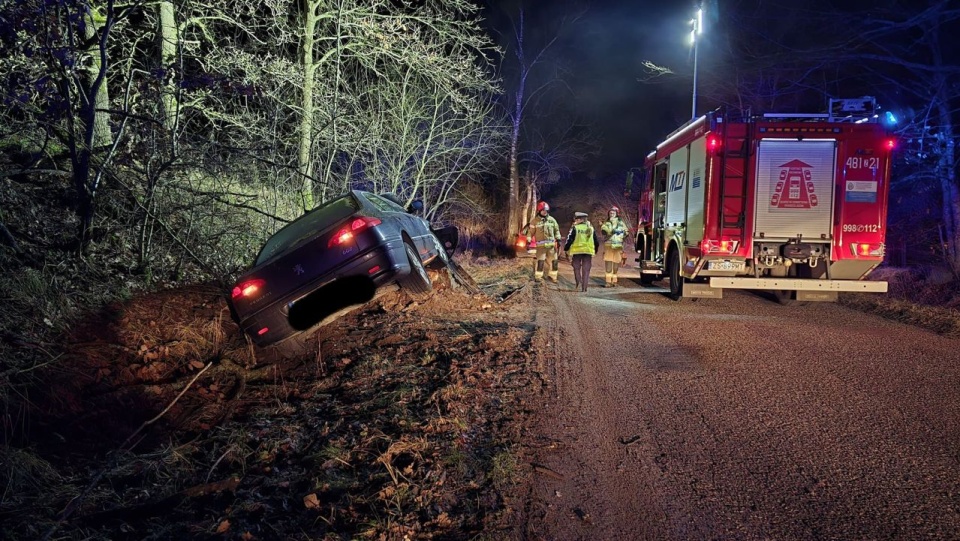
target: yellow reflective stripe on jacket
<point>545,229</point>
<point>616,231</point>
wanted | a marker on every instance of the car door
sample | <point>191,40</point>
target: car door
<point>417,228</point>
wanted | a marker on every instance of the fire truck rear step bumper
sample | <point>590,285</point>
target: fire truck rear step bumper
<point>792,284</point>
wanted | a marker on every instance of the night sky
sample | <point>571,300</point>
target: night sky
<point>599,54</point>
<point>750,48</point>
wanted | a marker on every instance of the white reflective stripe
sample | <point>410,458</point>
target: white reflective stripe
<point>796,284</point>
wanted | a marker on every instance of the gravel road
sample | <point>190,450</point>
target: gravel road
<point>738,419</point>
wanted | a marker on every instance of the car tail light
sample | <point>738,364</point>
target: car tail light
<point>249,288</point>
<point>719,246</point>
<point>263,331</point>
<point>346,233</point>
<point>866,249</point>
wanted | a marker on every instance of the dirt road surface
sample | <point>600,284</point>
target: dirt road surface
<point>738,419</point>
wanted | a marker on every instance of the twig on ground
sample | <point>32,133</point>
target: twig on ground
<point>166,409</point>
<point>545,470</point>
<point>75,502</point>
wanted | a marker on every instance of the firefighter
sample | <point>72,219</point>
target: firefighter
<point>582,243</point>
<point>614,232</point>
<point>545,232</point>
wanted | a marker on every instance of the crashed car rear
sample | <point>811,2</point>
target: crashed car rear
<point>333,256</point>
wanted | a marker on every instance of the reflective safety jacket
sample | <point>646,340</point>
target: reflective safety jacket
<point>544,230</point>
<point>582,239</point>
<point>615,230</point>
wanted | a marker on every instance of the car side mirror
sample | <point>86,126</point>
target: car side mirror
<point>415,207</point>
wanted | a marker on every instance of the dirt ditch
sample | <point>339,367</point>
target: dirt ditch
<point>398,420</point>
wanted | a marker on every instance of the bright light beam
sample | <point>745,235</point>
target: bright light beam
<point>697,30</point>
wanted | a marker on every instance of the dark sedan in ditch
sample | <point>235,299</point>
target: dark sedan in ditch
<point>334,256</point>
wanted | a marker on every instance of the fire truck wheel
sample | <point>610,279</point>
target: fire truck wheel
<point>676,281</point>
<point>784,296</point>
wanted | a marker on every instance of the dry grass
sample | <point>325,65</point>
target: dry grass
<point>925,297</point>
<point>389,424</point>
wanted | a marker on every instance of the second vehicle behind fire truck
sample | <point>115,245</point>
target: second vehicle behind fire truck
<point>794,204</point>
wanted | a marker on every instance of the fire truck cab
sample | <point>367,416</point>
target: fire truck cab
<point>791,203</point>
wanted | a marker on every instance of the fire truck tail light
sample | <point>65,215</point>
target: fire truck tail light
<point>713,143</point>
<point>720,246</point>
<point>890,144</point>
<point>865,249</point>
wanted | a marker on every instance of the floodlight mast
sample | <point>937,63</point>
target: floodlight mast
<point>696,31</point>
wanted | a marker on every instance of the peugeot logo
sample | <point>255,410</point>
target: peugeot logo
<point>298,269</point>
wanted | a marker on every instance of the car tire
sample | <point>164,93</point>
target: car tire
<point>676,281</point>
<point>416,283</point>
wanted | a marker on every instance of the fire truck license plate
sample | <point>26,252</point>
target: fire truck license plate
<point>727,265</point>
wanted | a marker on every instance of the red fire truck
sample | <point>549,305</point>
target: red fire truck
<point>795,204</point>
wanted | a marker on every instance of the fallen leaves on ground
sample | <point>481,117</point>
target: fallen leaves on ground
<point>383,424</point>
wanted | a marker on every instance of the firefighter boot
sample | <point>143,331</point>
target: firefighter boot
<point>538,274</point>
<point>554,271</point>
<point>614,279</point>
<point>608,279</point>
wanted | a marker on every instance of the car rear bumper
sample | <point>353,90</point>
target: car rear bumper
<point>381,264</point>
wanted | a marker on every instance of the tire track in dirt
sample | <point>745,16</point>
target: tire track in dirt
<point>598,409</point>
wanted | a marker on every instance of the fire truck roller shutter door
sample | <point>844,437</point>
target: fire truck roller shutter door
<point>696,191</point>
<point>795,188</point>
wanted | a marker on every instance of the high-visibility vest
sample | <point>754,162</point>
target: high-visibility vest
<point>582,240</point>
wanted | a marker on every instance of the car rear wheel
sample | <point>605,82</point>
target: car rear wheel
<point>417,282</point>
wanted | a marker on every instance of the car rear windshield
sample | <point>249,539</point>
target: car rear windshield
<point>308,225</point>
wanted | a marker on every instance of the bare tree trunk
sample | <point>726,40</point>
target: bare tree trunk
<point>94,102</point>
<point>97,85</point>
<point>513,202</point>
<point>525,211</point>
<point>304,158</point>
<point>946,162</point>
<point>530,212</point>
<point>169,40</point>
<point>946,171</point>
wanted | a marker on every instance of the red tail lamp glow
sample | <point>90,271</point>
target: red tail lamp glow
<point>374,269</point>
<point>890,144</point>
<point>713,143</point>
<point>720,246</point>
<point>249,288</point>
<point>866,249</point>
<point>263,331</point>
<point>347,232</point>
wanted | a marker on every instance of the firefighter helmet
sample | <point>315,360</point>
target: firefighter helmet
<point>615,209</point>
<point>543,206</point>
